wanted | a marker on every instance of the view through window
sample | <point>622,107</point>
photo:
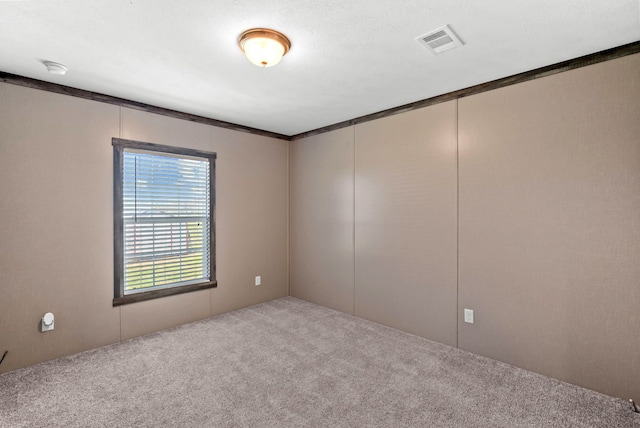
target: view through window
<point>163,220</point>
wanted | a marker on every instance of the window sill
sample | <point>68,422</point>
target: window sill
<point>155,294</point>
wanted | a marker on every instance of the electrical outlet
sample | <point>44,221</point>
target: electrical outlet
<point>468,316</point>
<point>258,280</point>
<point>47,322</point>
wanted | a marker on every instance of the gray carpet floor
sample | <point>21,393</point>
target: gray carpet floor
<point>289,363</point>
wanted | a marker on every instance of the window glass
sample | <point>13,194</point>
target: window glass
<point>164,217</point>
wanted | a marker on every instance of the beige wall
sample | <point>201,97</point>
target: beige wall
<point>322,219</point>
<point>373,221</point>
<point>56,229</point>
<point>547,174</point>
<point>405,222</point>
<point>550,225</point>
<point>549,202</point>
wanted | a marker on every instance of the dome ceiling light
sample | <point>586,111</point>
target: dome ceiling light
<point>264,47</point>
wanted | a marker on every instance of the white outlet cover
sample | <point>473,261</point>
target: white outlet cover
<point>258,280</point>
<point>468,316</point>
<point>48,322</point>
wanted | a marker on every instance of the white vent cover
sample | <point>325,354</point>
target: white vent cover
<point>440,40</point>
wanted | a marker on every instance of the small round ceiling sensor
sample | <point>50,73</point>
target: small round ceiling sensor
<point>55,68</point>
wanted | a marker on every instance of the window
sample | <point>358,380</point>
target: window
<point>164,224</point>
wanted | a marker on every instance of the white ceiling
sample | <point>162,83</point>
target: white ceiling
<point>349,58</point>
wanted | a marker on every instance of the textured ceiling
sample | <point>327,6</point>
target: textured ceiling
<point>348,58</point>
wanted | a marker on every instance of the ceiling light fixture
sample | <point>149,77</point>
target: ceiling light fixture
<point>55,68</point>
<point>264,47</point>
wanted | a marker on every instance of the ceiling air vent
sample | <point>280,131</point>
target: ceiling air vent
<point>440,40</point>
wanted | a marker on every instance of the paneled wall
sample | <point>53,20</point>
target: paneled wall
<point>56,223</point>
<point>405,222</point>
<point>550,225</point>
<point>322,220</point>
<point>522,204</point>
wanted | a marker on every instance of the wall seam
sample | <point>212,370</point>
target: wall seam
<point>353,223</point>
<point>457,224</point>
<point>289,161</point>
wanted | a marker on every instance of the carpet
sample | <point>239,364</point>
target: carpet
<point>290,363</point>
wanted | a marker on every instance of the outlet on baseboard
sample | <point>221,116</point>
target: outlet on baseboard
<point>258,280</point>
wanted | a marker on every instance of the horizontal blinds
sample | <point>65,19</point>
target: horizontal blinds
<point>166,220</point>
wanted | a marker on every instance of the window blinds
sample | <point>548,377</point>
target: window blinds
<point>166,220</point>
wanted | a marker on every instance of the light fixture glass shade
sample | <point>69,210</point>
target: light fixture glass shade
<point>264,47</point>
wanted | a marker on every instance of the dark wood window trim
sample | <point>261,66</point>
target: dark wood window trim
<point>118,225</point>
